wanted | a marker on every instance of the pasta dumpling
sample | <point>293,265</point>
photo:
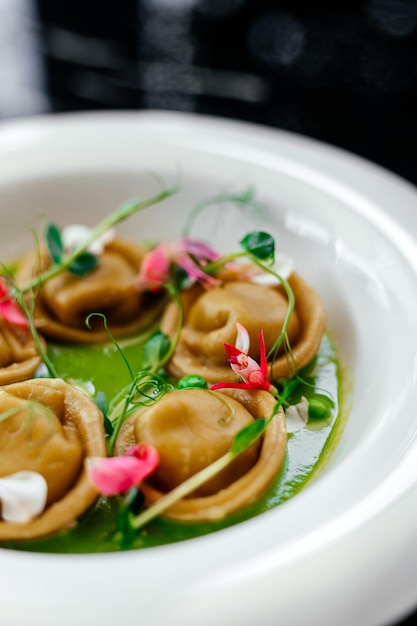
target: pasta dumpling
<point>210,318</point>
<point>65,301</point>
<point>49,427</point>
<point>19,358</point>
<point>192,428</point>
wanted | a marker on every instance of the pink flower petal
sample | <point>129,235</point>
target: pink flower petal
<point>145,453</point>
<point>247,368</point>
<point>117,474</point>
<point>240,362</point>
<point>257,379</point>
<point>195,273</point>
<point>154,271</point>
<point>242,339</point>
<point>12,314</point>
<point>189,254</point>
<point>200,250</point>
<point>9,310</point>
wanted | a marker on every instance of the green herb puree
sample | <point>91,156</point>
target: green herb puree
<point>101,369</point>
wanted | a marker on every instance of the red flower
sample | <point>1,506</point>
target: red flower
<point>9,310</point>
<point>254,375</point>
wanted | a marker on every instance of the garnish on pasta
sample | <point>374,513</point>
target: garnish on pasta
<point>213,372</point>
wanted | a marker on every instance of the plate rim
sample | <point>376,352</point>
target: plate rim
<point>263,137</point>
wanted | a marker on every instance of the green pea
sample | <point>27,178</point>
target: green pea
<point>320,406</point>
<point>192,381</point>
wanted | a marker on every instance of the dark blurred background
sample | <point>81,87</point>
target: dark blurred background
<point>341,72</point>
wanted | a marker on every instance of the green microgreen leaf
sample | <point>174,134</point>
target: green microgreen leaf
<point>248,435</point>
<point>179,277</point>
<point>261,245</point>
<point>108,426</point>
<point>155,350</point>
<point>54,243</point>
<point>101,402</point>
<point>83,264</point>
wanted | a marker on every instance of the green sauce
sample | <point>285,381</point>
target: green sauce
<point>101,369</point>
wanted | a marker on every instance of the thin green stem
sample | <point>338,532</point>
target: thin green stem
<point>215,266</point>
<point>116,416</point>
<point>35,335</point>
<point>108,222</point>
<point>137,387</point>
<point>112,339</point>
<point>243,199</point>
<point>290,308</point>
<point>10,412</point>
<point>174,343</point>
<point>184,489</point>
<point>121,409</point>
<point>195,481</point>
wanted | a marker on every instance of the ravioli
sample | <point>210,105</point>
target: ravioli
<point>19,358</point>
<point>65,301</point>
<point>210,318</point>
<point>50,428</point>
<point>192,428</point>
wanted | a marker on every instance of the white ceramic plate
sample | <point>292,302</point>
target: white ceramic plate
<point>344,551</point>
